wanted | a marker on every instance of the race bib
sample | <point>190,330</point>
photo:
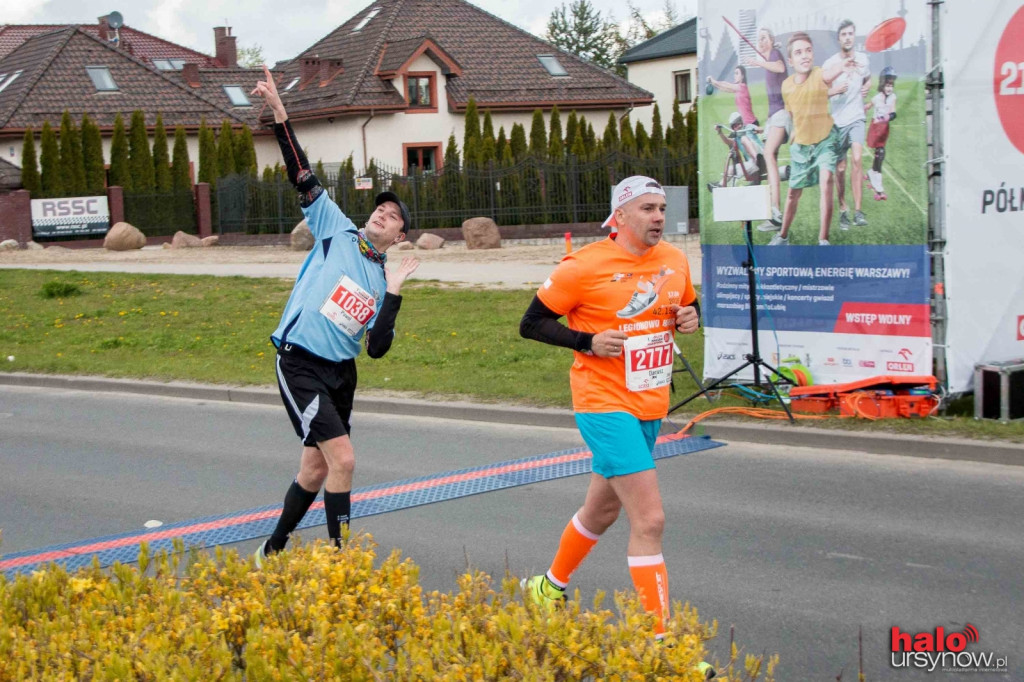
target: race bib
<point>648,361</point>
<point>349,306</point>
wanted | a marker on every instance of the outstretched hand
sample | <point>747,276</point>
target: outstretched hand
<point>398,276</point>
<point>267,89</point>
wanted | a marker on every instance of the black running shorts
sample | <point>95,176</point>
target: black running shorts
<point>317,393</point>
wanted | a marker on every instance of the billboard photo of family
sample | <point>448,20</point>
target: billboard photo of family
<point>824,102</point>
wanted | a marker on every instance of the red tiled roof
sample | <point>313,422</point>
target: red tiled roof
<point>137,43</point>
<point>499,65</point>
<point>55,79</point>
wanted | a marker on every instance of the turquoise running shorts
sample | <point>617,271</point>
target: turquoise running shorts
<point>621,444</point>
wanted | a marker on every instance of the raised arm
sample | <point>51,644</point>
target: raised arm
<point>776,66</point>
<point>725,86</point>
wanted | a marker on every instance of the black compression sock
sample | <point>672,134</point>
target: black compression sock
<point>337,507</point>
<point>296,503</point>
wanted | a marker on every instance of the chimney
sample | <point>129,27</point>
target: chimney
<point>190,73</point>
<point>227,51</point>
<point>329,68</point>
<point>107,34</point>
<point>310,69</point>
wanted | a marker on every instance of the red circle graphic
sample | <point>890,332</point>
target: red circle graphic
<point>1009,80</point>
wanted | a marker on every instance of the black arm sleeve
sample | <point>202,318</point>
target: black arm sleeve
<point>296,164</point>
<point>378,339</point>
<point>541,324</point>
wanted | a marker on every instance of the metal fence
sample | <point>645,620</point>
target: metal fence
<point>160,214</point>
<point>530,192</point>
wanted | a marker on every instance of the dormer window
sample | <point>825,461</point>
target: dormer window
<point>292,84</point>
<point>552,64</point>
<point>421,92</point>
<point>101,78</point>
<point>6,80</point>
<point>237,96</point>
<point>373,12</point>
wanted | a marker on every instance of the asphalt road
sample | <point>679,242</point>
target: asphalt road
<point>796,548</point>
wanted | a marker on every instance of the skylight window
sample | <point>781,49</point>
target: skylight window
<point>5,80</point>
<point>101,78</point>
<point>177,64</point>
<point>295,81</point>
<point>163,64</point>
<point>552,64</point>
<point>237,96</point>
<point>373,12</point>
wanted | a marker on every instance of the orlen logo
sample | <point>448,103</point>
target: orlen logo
<point>625,195</point>
<point>930,650</point>
<point>1020,327</point>
<point>905,366</point>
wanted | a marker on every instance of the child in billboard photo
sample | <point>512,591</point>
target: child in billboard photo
<point>846,100</point>
<point>739,88</point>
<point>815,139</point>
<point>746,158</point>
<point>779,123</point>
<point>884,105</point>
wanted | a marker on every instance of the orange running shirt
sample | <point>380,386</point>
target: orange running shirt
<point>602,286</point>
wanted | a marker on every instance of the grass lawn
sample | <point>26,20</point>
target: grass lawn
<point>901,219</point>
<point>452,342</point>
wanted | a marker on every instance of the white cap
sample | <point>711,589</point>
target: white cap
<point>629,189</point>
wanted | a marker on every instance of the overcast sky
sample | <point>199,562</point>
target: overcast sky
<point>283,29</point>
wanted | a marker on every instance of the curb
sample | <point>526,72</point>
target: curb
<point>961,449</point>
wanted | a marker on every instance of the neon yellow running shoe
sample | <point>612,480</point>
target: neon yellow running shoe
<point>543,592</point>
<point>709,672</point>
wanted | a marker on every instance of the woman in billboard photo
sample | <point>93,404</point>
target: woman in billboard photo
<point>884,105</point>
<point>739,88</point>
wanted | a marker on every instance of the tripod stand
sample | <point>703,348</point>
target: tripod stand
<point>754,358</point>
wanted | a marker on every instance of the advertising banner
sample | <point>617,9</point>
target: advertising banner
<point>70,217</point>
<point>983,67</point>
<point>823,102</point>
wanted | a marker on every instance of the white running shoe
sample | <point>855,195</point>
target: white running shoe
<point>779,240</point>
<point>638,303</point>
<point>769,226</point>
<point>824,242</point>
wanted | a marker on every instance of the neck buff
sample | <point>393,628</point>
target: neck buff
<point>370,251</point>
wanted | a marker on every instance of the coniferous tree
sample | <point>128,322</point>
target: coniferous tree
<point>49,160</point>
<point>571,130</point>
<point>268,174</point>
<point>580,29</point>
<point>451,178</point>
<point>140,160</point>
<point>72,167</point>
<point>678,124</point>
<point>591,138</point>
<point>538,135</point>
<point>30,165</point>
<point>120,174</point>
<point>657,133</point>
<point>245,153</point>
<point>207,154</point>
<point>180,176</point>
<point>488,128</point>
<point>161,158</point>
<point>627,141</point>
<point>225,150</point>
<point>643,140</point>
<point>92,157</point>
<point>556,145</point>
<point>472,128</point>
<point>500,144</point>
<point>611,133</point>
<point>517,142</point>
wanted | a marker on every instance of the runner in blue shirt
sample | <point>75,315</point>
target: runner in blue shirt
<point>343,297</point>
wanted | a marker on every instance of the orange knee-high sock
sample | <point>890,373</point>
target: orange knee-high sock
<point>573,548</point>
<point>650,577</point>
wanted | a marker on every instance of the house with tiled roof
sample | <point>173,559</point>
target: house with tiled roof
<point>666,65</point>
<point>81,70</point>
<point>392,83</point>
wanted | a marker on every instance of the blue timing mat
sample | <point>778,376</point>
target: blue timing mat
<point>379,499</point>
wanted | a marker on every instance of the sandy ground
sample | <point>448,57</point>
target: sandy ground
<point>513,265</point>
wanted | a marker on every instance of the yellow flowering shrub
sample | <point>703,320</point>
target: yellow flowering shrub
<point>317,613</point>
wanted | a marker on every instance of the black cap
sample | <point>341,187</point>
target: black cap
<point>406,216</point>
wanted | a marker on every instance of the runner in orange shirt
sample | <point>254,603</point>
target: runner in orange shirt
<point>623,298</point>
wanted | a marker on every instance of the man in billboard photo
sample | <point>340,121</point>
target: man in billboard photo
<point>813,145</point>
<point>846,100</point>
<point>779,122</point>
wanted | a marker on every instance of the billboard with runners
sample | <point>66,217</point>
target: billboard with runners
<point>824,103</point>
<point>983,67</point>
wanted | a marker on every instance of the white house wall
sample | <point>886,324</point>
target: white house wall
<point>658,76</point>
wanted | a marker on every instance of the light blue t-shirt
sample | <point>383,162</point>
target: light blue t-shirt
<point>338,292</point>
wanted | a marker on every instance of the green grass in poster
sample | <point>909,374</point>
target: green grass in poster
<point>901,219</point>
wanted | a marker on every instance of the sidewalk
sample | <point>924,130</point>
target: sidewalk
<point>962,449</point>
